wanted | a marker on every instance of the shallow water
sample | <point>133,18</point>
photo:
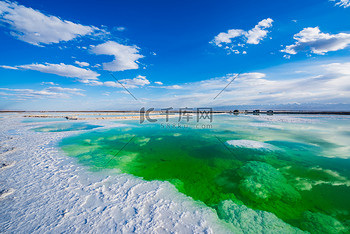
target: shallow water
<point>39,120</point>
<point>295,167</point>
<point>63,127</point>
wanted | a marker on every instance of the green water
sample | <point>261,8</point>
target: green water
<point>63,127</point>
<point>300,173</point>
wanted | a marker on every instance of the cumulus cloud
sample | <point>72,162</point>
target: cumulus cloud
<point>253,36</point>
<point>125,57</point>
<point>83,75</point>
<point>36,28</point>
<point>51,92</point>
<point>136,82</point>
<point>342,3</point>
<point>226,37</point>
<point>82,64</point>
<point>259,32</point>
<point>313,40</point>
<point>158,83</point>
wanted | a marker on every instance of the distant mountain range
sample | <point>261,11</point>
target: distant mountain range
<point>293,106</point>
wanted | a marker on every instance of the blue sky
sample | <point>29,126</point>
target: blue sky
<point>58,55</point>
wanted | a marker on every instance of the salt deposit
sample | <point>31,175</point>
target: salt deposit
<point>251,144</point>
<point>46,191</point>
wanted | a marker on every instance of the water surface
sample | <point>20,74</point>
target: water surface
<point>63,127</point>
<point>294,167</point>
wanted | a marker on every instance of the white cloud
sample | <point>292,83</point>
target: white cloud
<point>125,57</point>
<point>120,29</point>
<point>328,83</point>
<point>60,89</point>
<point>97,65</point>
<point>8,67</point>
<point>168,86</point>
<point>253,36</point>
<point>111,84</point>
<point>342,3</point>
<point>226,37</point>
<point>124,92</point>
<point>259,32</point>
<point>158,83</point>
<point>48,83</point>
<point>51,92</point>
<point>83,75</point>
<point>173,87</point>
<point>338,68</point>
<point>36,28</point>
<point>82,64</point>
<point>211,84</point>
<point>312,39</point>
<point>136,82</point>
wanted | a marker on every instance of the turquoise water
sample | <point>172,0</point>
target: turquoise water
<point>39,120</point>
<point>63,127</point>
<point>296,168</point>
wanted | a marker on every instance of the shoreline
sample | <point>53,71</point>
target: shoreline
<point>157,114</point>
<point>271,112</point>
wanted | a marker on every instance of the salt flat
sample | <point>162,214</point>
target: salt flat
<point>50,192</point>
